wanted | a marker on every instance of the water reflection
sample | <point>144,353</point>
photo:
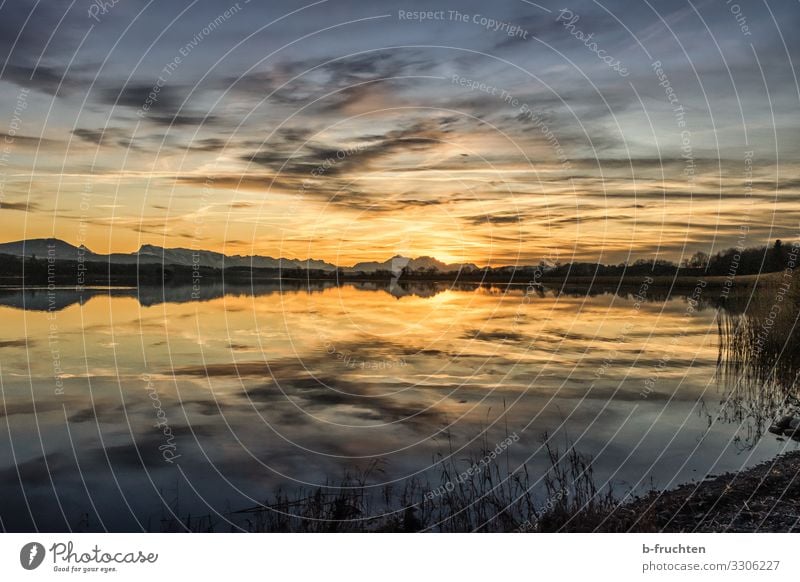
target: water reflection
<point>123,405</point>
<point>759,359</point>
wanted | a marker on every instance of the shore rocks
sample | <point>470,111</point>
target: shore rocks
<point>765,498</point>
<point>787,426</point>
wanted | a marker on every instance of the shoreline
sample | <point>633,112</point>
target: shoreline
<point>763,498</point>
<point>667,281</point>
<point>659,281</point>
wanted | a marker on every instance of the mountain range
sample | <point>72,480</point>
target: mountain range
<point>150,254</point>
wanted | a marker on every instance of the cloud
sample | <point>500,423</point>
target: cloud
<point>135,95</point>
<point>28,141</point>
<point>496,218</point>
<point>316,160</point>
<point>165,105</point>
<point>20,206</point>
<point>289,380</point>
<point>35,41</point>
<point>180,120</point>
<point>97,136</point>
<point>18,343</point>
<point>211,144</point>
<point>46,79</point>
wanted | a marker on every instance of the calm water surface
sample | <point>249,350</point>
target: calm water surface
<point>116,406</point>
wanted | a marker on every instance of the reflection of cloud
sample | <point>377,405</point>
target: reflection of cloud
<point>319,394</point>
<point>18,343</point>
<point>497,336</point>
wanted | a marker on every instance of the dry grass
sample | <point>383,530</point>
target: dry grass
<point>492,499</point>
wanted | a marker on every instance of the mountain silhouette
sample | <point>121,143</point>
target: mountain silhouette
<point>44,248</point>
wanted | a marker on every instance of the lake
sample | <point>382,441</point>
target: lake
<point>124,409</point>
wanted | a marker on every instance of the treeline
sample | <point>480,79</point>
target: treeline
<point>752,260</point>
<point>68,273</point>
<point>733,261</point>
<point>42,272</point>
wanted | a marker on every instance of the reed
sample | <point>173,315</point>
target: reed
<point>496,498</point>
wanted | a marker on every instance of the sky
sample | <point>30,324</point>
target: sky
<point>502,133</point>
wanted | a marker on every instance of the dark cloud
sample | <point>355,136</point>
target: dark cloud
<point>28,141</point>
<point>497,336</point>
<point>495,218</point>
<point>136,95</point>
<point>319,393</point>
<point>21,206</point>
<point>109,136</point>
<point>42,78</point>
<point>164,105</point>
<point>180,120</point>
<point>316,160</point>
<point>18,343</point>
<point>211,144</point>
<point>35,41</point>
<point>95,136</point>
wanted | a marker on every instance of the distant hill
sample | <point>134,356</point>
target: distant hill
<point>42,248</point>
<point>151,254</point>
<point>397,263</point>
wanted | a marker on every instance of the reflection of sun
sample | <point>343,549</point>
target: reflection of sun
<point>441,298</point>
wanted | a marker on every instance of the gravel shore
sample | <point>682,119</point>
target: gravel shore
<point>765,498</point>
